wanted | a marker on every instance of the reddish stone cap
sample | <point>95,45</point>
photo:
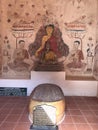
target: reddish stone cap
<point>47,93</point>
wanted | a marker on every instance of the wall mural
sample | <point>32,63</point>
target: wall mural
<point>0,43</point>
<point>49,35</point>
<point>49,49</point>
<point>95,68</point>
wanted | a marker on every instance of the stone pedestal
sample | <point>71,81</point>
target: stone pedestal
<point>46,96</point>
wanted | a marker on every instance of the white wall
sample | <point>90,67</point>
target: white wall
<point>70,88</point>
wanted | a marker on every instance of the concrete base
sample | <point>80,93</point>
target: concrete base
<point>32,127</point>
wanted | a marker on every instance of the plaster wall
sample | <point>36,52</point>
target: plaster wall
<point>69,87</point>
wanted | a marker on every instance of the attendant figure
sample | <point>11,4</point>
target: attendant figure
<point>76,56</point>
<point>20,54</point>
<point>90,57</point>
<point>95,68</point>
<point>21,59</point>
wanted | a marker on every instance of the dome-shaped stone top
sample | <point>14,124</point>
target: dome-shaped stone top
<point>47,93</point>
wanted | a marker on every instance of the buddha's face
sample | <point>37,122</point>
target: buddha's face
<point>49,30</point>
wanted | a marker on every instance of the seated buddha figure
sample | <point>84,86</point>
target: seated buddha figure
<point>48,51</point>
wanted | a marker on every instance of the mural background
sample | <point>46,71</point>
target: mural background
<point>22,19</point>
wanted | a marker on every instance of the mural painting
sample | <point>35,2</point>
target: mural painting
<point>0,59</point>
<point>49,49</point>
<point>20,58</point>
<point>95,71</point>
<point>0,42</point>
<point>16,61</point>
<point>49,35</point>
<point>79,62</point>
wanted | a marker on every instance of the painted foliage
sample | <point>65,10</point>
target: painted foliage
<point>25,44</point>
